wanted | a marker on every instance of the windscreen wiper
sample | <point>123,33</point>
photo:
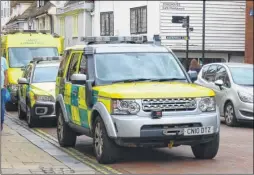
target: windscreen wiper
<point>132,80</point>
<point>168,79</point>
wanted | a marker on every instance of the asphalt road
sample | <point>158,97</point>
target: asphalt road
<point>235,155</point>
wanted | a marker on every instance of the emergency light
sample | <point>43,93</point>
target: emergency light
<point>53,58</point>
<point>115,39</point>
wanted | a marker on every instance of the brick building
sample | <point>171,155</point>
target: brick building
<point>249,33</point>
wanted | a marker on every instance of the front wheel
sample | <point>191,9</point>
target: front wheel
<point>31,121</point>
<point>207,150</point>
<point>66,136</point>
<point>229,114</point>
<point>22,114</point>
<point>105,149</point>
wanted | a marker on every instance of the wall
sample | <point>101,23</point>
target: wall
<point>225,25</point>
<point>249,34</point>
<point>121,11</point>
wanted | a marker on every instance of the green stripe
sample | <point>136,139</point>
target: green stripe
<point>68,109</point>
<point>95,96</point>
<point>83,117</point>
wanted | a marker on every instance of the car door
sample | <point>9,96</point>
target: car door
<point>222,93</point>
<point>25,88</point>
<point>71,91</point>
<point>83,110</point>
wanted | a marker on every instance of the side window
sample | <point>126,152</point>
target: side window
<point>223,75</point>
<point>63,63</point>
<point>73,65</point>
<point>204,71</point>
<point>28,73</point>
<point>83,66</point>
<point>211,73</point>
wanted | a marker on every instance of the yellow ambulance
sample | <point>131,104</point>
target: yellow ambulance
<point>19,47</point>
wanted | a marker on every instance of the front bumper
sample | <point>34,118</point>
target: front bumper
<point>147,131</point>
<point>44,110</point>
<point>244,111</point>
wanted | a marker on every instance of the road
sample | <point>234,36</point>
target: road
<point>235,155</point>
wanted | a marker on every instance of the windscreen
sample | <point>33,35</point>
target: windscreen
<point>45,74</point>
<point>19,57</point>
<point>121,66</point>
<point>242,75</point>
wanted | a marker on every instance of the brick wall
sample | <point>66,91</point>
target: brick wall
<point>249,34</point>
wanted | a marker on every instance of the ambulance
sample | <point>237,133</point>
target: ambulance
<point>19,47</point>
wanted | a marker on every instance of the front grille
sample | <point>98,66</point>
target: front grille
<point>169,104</point>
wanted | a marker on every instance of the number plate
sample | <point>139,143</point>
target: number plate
<point>198,131</point>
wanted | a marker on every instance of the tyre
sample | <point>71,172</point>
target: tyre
<point>21,114</point>
<point>10,106</point>
<point>207,150</point>
<point>105,149</point>
<point>66,136</point>
<point>31,121</point>
<point>229,114</point>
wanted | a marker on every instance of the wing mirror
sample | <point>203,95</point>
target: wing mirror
<point>219,83</point>
<point>22,81</point>
<point>78,79</point>
<point>193,75</point>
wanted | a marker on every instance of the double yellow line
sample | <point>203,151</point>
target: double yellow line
<point>84,158</point>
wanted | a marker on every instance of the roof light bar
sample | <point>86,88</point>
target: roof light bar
<point>135,39</point>
<point>53,58</point>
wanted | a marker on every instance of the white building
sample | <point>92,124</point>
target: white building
<point>5,12</point>
<point>225,24</point>
<point>74,21</point>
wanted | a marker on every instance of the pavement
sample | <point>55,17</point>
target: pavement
<point>23,152</point>
<point>235,154</point>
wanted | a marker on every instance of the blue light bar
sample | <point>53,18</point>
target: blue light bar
<point>103,39</point>
<point>53,58</point>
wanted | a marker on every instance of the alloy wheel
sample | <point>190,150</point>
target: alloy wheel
<point>60,127</point>
<point>229,113</point>
<point>98,139</point>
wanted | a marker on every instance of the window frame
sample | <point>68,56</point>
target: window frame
<point>109,24</point>
<point>75,25</point>
<point>72,58</point>
<point>136,9</point>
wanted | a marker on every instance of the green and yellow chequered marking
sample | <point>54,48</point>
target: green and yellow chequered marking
<point>76,104</point>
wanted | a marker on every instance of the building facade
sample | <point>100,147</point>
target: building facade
<point>225,25</point>
<point>5,12</point>
<point>74,21</point>
<point>249,33</point>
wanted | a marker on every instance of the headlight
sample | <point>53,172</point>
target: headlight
<point>125,107</point>
<point>245,97</point>
<point>207,104</point>
<point>13,87</point>
<point>44,98</point>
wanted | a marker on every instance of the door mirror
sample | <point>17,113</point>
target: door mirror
<point>218,83</point>
<point>193,75</point>
<point>78,79</point>
<point>22,81</point>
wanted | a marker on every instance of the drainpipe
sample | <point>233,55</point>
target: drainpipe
<point>51,23</point>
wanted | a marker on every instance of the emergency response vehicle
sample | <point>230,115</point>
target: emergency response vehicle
<point>19,47</point>
<point>36,92</point>
<point>128,92</point>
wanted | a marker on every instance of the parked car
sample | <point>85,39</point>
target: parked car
<point>126,94</point>
<point>36,91</point>
<point>233,85</point>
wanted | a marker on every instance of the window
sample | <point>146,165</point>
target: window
<point>138,20</point>
<point>211,72</point>
<point>45,74</point>
<point>73,65</point>
<point>63,63</point>
<point>82,67</point>
<point>43,23</point>
<point>222,75</point>
<point>75,26</point>
<point>204,70</point>
<point>62,26</point>
<point>28,73</point>
<point>107,23</point>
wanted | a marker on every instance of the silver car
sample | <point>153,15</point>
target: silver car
<point>233,85</point>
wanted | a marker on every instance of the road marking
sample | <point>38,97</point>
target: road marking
<point>84,158</point>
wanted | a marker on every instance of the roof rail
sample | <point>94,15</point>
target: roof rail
<point>114,39</point>
<point>45,58</point>
<point>13,31</point>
